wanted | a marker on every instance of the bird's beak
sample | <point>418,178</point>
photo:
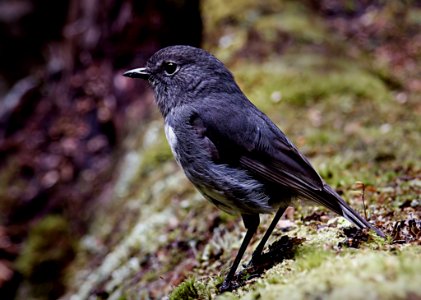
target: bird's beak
<point>143,73</point>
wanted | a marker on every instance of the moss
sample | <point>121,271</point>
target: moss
<point>149,149</point>
<point>354,275</point>
<point>296,23</point>
<point>303,85</point>
<point>155,154</point>
<point>190,289</point>
<point>310,257</point>
<point>10,185</point>
<point>414,17</point>
<point>240,13</point>
<point>48,250</point>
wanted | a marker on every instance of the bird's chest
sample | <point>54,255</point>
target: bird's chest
<point>172,141</point>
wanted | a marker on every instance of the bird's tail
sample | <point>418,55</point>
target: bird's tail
<point>331,199</point>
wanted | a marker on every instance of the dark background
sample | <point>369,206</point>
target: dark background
<point>63,113</point>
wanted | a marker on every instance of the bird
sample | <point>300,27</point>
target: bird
<point>235,156</point>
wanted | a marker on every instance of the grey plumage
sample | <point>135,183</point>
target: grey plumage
<point>231,151</point>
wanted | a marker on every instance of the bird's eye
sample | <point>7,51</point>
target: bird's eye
<point>170,68</point>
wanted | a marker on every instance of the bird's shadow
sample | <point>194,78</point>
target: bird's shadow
<point>283,248</point>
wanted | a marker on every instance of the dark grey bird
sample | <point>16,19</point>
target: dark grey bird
<point>231,151</point>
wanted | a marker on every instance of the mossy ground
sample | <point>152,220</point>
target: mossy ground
<point>49,249</point>
<point>346,101</point>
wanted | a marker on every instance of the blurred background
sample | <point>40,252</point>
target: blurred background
<point>91,201</point>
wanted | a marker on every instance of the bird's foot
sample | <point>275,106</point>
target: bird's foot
<point>227,286</point>
<point>254,261</point>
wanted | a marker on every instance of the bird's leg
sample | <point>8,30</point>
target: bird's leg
<point>251,222</point>
<point>259,249</point>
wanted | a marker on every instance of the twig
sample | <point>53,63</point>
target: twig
<point>362,198</point>
<point>360,184</point>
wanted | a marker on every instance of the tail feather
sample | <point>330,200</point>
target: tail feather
<point>331,199</point>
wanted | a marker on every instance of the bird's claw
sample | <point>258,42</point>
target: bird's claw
<point>227,286</point>
<point>254,261</point>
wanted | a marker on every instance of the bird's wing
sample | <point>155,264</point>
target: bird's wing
<point>248,138</point>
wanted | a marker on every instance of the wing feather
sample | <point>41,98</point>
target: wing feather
<point>248,138</point>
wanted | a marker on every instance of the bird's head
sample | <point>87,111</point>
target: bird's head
<point>182,74</point>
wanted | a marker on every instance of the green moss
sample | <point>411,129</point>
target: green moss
<point>297,24</point>
<point>155,154</point>
<point>10,183</point>
<point>353,275</point>
<point>336,171</point>
<point>310,257</point>
<point>48,250</point>
<point>240,13</point>
<point>266,25</point>
<point>304,84</point>
<point>414,16</point>
<point>190,289</point>
<point>150,276</point>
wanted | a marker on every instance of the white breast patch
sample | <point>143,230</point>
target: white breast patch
<point>172,139</point>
